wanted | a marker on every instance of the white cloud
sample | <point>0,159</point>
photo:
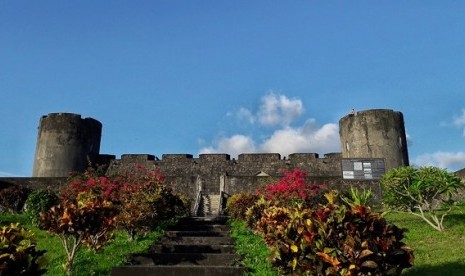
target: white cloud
<point>233,145</point>
<point>246,115</point>
<point>459,121</point>
<point>308,138</point>
<point>274,110</point>
<point>279,110</point>
<point>447,160</point>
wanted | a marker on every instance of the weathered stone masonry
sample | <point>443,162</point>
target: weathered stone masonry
<point>66,142</point>
<point>209,172</point>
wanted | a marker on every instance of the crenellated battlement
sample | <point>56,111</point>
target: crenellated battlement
<point>67,142</point>
<point>247,164</point>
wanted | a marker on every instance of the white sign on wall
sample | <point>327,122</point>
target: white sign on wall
<point>361,169</point>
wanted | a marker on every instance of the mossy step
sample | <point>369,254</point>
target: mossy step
<point>178,270</point>
<point>196,240</point>
<point>182,248</point>
<point>183,259</point>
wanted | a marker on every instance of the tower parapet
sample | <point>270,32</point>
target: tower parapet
<point>375,133</point>
<point>66,143</point>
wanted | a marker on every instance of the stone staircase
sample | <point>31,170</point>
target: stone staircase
<point>195,246</point>
<point>209,205</point>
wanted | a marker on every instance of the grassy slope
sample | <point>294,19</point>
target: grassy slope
<point>87,262</point>
<point>436,253</point>
<point>254,250</point>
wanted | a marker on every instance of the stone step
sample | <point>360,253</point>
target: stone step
<point>204,220</point>
<point>209,204</point>
<point>183,248</point>
<point>183,259</point>
<point>173,234</point>
<point>195,246</point>
<point>200,227</point>
<point>197,240</point>
<point>178,271</point>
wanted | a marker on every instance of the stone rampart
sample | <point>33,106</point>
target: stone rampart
<point>214,172</point>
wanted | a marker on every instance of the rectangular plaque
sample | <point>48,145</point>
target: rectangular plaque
<point>348,174</point>
<point>358,166</point>
<point>360,169</point>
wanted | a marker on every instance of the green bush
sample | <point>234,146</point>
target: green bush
<point>18,254</point>
<point>12,199</point>
<point>87,223</point>
<point>356,196</point>
<point>238,204</point>
<point>420,191</point>
<point>254,213</point>
<point>335,239</point>
<point>39,201</point>
<point>145,201</point>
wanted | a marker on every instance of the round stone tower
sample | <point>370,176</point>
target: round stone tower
<point>66,143</point>
<point>375,133</point>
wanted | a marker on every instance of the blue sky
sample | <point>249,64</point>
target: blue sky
<point>232,76</point>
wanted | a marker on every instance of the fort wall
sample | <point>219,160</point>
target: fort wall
<point>214,172</point>
<point>67,143</point>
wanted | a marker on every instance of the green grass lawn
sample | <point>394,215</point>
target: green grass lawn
<point>87,262</point>
<point>254,250</point>
<point>436,253</point>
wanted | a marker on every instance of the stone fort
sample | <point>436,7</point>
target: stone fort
<point>372,142</point>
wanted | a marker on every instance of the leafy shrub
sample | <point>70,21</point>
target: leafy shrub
<point>91,206</point>
<point>238,204</point>
<point>18,253</point>
<point>335,239</point>
<point>146,201</point>
<point>355,196</point>
<point>92,185</point>
<point>418,191</point>
<point>85,215</point>
<point>254,213</point>
<point>39,201</point>
<point>293,189</point>
<point>86,223</point>
<point>12,199</point>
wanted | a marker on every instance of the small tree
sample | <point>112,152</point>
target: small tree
<point>87,224</point>
<point>419,191</point>
<point>85,215</point>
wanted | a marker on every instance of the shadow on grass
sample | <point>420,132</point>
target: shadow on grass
<point>454,219</point>
<point>449,269</point>
<point>7,218</point>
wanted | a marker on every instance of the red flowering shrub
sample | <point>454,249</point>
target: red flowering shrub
<point>91,185</point>
<point>91,206</point>
<point>292,189</point>
<point>145,201</point>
